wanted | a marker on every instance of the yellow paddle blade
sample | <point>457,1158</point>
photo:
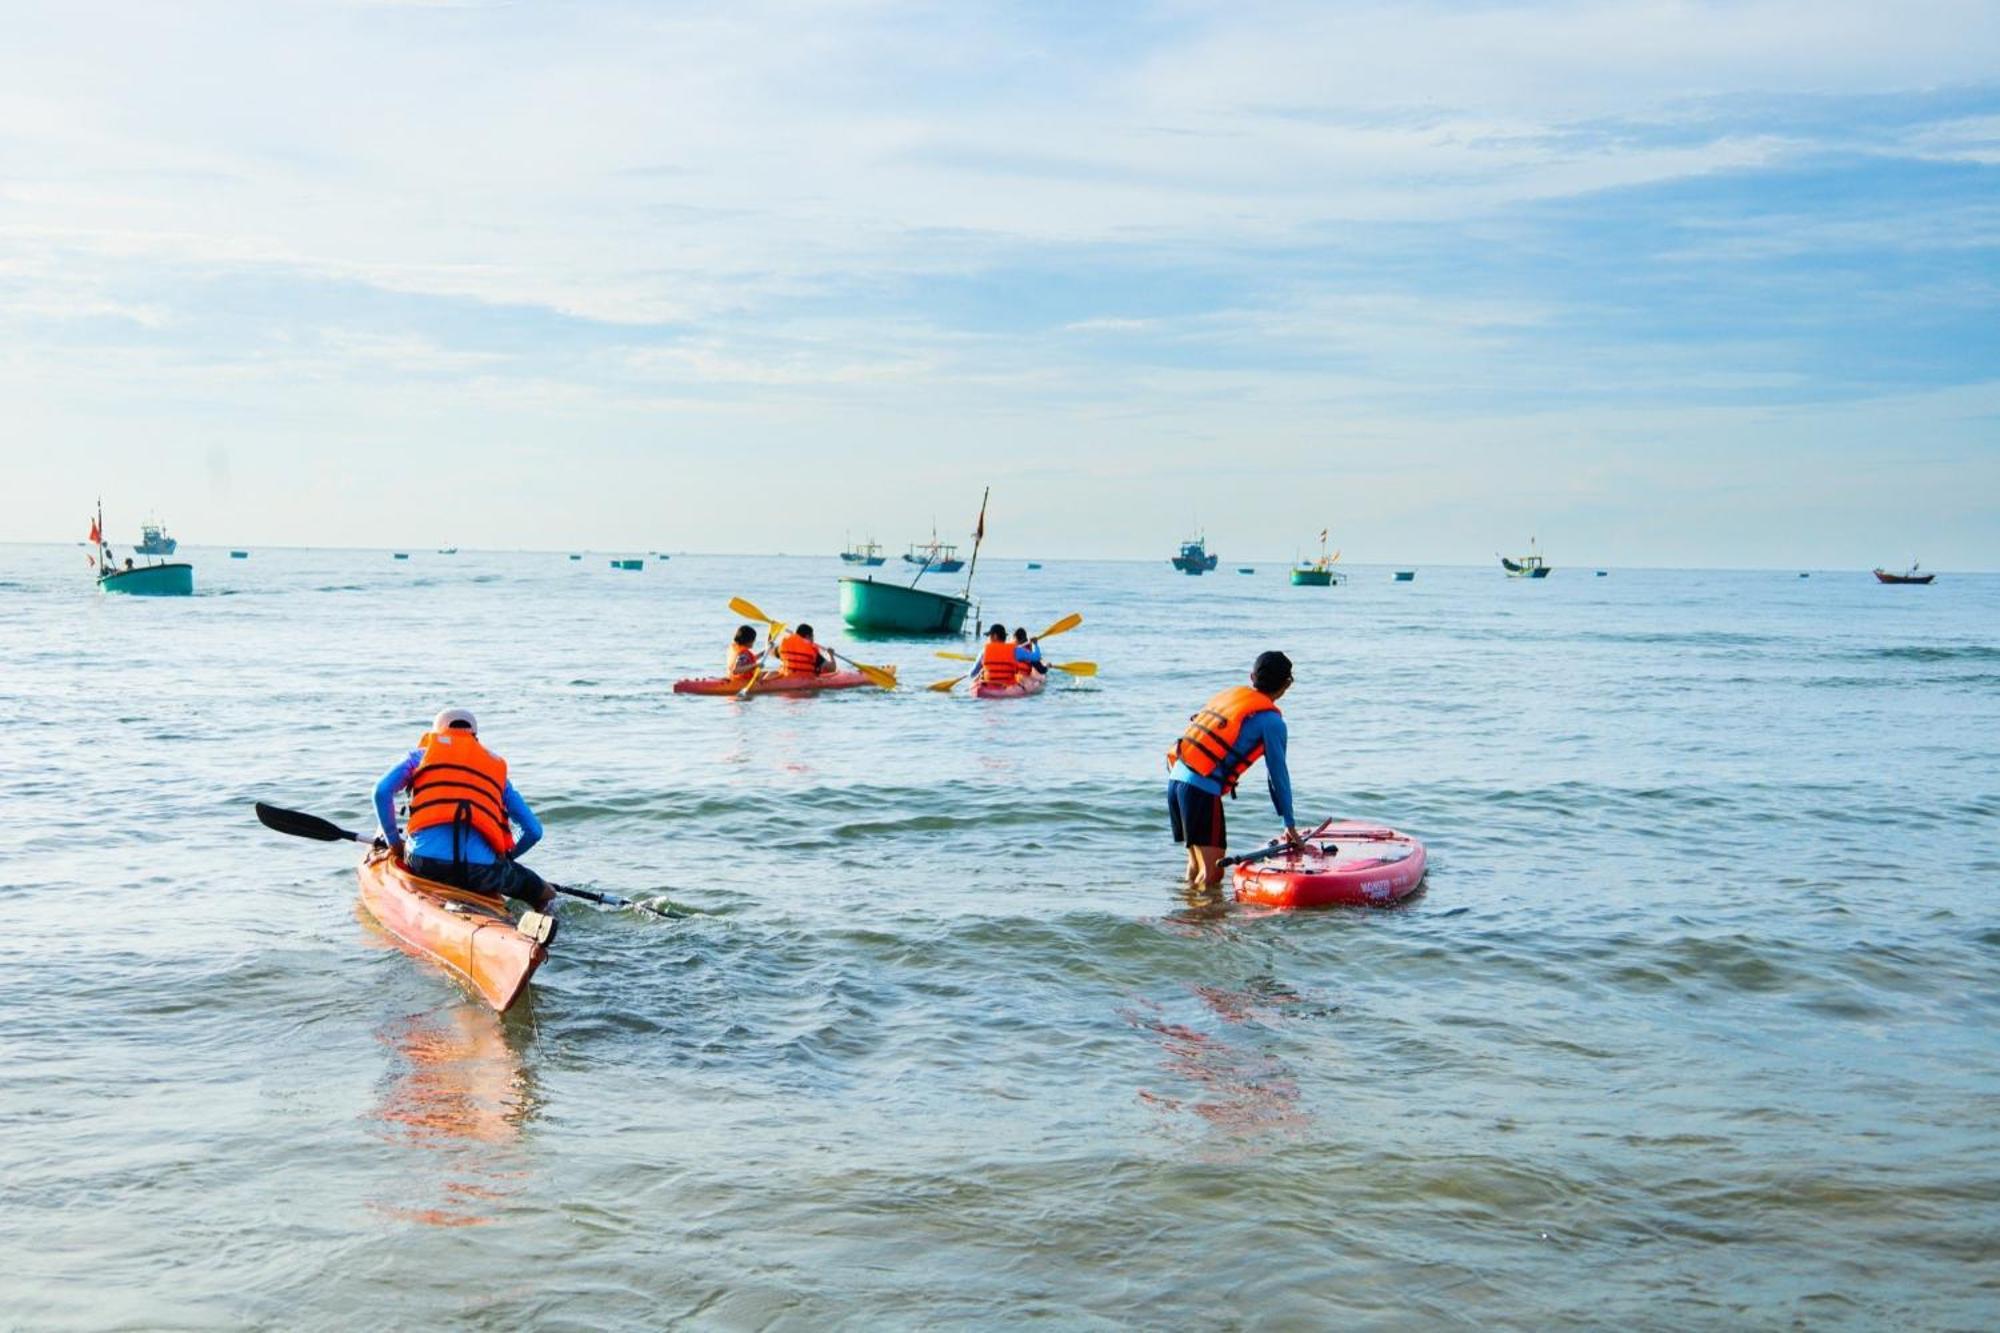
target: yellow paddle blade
<point>749,610</point>
<point>883,676</point>
<point>944,686</point>
<point>956,657</point>
<point>1076,668</point>
<point>1063,626</point>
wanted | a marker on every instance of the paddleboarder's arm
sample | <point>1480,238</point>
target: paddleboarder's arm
<point>1273,727</point>
<point>518,811</point>
<point>392,782</point>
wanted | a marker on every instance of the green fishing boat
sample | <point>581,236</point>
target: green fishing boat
<point>163,580</point>
<point>628,564</point>
<point>160,579</point>
<point>891,608</point>
<point>1318,573</point>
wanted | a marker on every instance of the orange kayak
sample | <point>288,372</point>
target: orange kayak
<point>777,684</point>
<point>469,934</point>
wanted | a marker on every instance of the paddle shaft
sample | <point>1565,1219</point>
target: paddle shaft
<point>299,824</point>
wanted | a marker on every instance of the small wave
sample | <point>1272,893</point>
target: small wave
<point>1933,652</point>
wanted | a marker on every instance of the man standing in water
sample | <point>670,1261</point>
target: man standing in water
<point>461,805</point>
<point>1231,732</point>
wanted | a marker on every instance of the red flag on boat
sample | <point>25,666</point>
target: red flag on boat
<point>96,534</point>
<point>979,531</point>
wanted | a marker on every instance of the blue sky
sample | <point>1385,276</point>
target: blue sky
<point>1659,283</point>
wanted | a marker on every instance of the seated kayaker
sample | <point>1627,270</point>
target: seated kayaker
<point>1030,652</point>
<point>1000,663</point>
<point>801,656</point>
<point>1231,732</point>
<point>461,803</point>
<point>742,653</point>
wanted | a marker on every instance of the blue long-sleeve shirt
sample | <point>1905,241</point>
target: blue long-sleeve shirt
<point>1269,729</point>
<point>436,841</point>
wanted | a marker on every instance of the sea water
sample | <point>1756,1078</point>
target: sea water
<point>1694,1024</point>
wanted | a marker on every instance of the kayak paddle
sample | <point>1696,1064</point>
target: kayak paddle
<point>749,610</point>
<point>1073,668</point>
<point>1279,846</point>
<point>302,825</point>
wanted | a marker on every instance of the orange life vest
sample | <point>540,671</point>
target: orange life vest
<point>1212,747</point>
<point>998,665</point>
<point>742,661</point>
<point>460,779</point>
<point>800,656</point>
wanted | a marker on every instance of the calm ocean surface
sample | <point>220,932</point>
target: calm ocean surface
<point>1694,1026</point>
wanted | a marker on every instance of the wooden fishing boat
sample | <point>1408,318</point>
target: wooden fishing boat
<point>1530,566</point>
<point>868,554</point>
<point>474,937</point>
<point>934,556</point>
<point>1910,576</point>
<point>1194,557</point>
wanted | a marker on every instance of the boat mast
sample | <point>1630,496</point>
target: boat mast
<point>978,536</point>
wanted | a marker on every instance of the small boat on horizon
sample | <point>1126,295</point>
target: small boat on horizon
<point>1406,576</point>
<point>628,564</point>
<point>447,550</point>
<point>867,553</point>
<point>1909,576</point>
<point>239,555</point>
<point>1318,573</point>
<point>934,556</point>
<point>1246,569</point>
<point>1033,565</point>
<point>1194,557</point>
<point>1529,566</point>
<point>399,555</point>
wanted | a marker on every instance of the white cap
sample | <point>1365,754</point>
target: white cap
<point>450,717</point>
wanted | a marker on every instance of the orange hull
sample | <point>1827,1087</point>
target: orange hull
<point>470,935</point>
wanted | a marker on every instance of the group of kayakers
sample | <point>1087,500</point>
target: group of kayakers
<point>463,807</point>
<point>796,652</point>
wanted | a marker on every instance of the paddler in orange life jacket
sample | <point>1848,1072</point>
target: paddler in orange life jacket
<point>1230,733</point>
<point>461,806</point>
<point>742,653</point>
<point>1029,651</point>
<point>801,656</point>
<point>1000,662</point>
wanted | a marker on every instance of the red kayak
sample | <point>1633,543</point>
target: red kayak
<point>1034,683</point>
<point>780,684</point>
<point>1344,865</point>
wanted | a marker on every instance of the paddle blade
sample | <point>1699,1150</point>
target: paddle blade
<point>944,686</point>
<point>1063,626</point>
<point>881,676</point>
<point>302,825</point>
<point>749,610</point>
<point>1076,668</point>
<point>956,657</point>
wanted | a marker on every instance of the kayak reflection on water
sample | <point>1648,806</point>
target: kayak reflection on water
<point>460,1098</point>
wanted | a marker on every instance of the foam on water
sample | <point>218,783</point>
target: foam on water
<point>1693,1024</point>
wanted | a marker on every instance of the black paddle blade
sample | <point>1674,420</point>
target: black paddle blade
<point>302,825</point>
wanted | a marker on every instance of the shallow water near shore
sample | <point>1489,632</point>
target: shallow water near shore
<point>1693,1025</point>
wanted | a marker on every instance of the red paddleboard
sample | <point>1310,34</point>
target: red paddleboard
<point>1344,865</point>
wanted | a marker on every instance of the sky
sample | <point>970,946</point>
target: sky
<point>1687,283</point>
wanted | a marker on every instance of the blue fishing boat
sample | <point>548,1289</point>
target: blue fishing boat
<point>153,540</point>
<point>239,555</point>
<point>936,557</point>
<point>1033,565</point>
<point>1194,557</point>
<point>1406,576</point>
<point>628,564</point>
<point>399,555</point>
<point>868,554</point>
